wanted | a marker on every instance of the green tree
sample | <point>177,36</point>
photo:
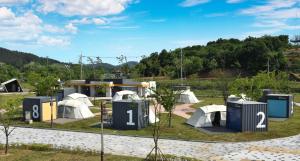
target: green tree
<point>253,87</point>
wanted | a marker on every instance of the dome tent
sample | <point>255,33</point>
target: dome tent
<point>125,95</point>
<point>73,109</point>
<point>187,96</point>
<point>79,97</point>
<point>208,116</point>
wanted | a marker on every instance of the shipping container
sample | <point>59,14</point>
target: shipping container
<point>130,115</point>
<point>39,108</point>
<point>247,116</point>
<point>280,105</point>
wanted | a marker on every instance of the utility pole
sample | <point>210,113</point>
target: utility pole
<point>102,141</point>
<point>80,61</point>
<point>268,65</point>
<point>51,105</point>
<point>47,65</point>
<point>181,79</point>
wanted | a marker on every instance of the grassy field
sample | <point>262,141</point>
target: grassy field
<point>40,152</point>
<point>180,130</point>
<point>209,101</point>
<point>5,97</point>
<point>30,155</point>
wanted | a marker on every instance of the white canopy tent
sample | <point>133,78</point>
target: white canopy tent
<point>187,96</point>
<point>206,115</point>
<point>125,95</point>
<point>79,97</point>
<point>130,95</point>
<point>73,109</point>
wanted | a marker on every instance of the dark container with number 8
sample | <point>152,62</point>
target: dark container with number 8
<point>247,116</point>
<point>39,108</point>
<point>130,115</point>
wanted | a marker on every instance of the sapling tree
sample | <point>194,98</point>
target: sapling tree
<point>167,98</point>
<point>8,114</point>
<point>158,155</point>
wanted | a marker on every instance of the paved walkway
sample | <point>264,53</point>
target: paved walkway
<point>183,110</point>
<point>276,149</point>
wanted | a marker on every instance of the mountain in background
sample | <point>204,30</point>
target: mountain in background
<point>19,59</point>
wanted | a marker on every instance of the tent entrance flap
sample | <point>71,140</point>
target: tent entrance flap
<point>216,118</point>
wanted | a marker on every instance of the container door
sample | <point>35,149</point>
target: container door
<point>234,119</point>
<point>277,108</point>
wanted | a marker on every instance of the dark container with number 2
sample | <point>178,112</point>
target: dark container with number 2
<point>247,116</point>
<point>130,115</point>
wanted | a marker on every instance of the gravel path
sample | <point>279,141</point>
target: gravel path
<point>276,149</point>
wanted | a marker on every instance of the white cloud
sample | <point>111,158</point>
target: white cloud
<point>276,24</point>
<point>87,21</point>
<point>12,2</point>
<point>270,6</point>
<point>71,28</point>
<point>84,7</point>
<point>274,16</point>
<point>98,21</point>
<point>6,14</point>
<point>190,3</point>
<point>53,29</point>
<point>53,41</point>
<point>234,1</point>
<point>28,28</point>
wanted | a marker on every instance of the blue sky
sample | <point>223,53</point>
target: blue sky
<point>62,29</point>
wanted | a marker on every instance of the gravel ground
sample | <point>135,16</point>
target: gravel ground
<point>275,149</point>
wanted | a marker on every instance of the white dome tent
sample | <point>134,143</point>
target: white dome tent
<point>73,109</point>
<point>79,97</point>
<point>187,96</point>
<point>207,116</point>
<point>130,95</point>
<point>125,95</point>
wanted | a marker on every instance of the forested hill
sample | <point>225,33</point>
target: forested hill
<point>19,59</point>
<point>247,56</point>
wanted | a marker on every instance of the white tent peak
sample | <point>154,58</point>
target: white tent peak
<point>187,96</point>
<point>213,108</point>
<point>130,95</point>
<point>79,97</point>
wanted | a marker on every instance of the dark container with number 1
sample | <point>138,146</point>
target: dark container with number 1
<point>247,116</point>
<point>130,115</point>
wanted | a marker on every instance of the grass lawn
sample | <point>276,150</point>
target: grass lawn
<point>180,130</point>
<point>5,97</point>
<point>20,154</point>
<point>38,152</point>
<point>208,101</point>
